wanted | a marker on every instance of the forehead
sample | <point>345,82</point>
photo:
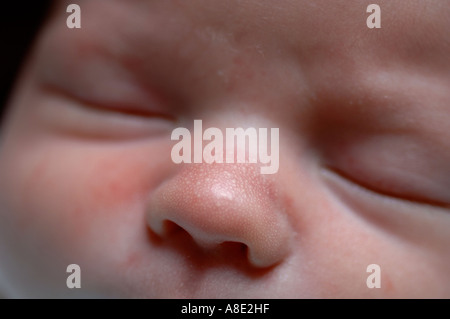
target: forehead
<point>320,38</point>
<point>301,23</point>
<point>414,33</point>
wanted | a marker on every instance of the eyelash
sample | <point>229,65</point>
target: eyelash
<point>378,194</point>
<point>99,107</point>
<point>67,114</point>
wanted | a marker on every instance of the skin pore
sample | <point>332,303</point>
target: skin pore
<point>86,175</point>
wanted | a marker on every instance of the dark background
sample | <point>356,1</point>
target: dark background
<point>19,23</point>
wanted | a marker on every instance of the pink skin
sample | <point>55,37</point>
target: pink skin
<point>86,175</point>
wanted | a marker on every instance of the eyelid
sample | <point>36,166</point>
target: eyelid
<point>119,108</point>
<point>64,115</point>
<point>382,194</point>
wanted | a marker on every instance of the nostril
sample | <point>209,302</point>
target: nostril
<point>170,228</point>
<point>165,227</point>
<point>232,248</point>
<point>225,252</point>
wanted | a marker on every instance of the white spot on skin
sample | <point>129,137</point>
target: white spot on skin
<point>222,192</point>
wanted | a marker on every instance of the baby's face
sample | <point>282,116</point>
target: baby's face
<point>87,177</point>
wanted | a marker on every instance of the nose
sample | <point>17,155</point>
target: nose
<point>217,203</point>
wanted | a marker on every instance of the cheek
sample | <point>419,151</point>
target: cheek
<point>339,252</point>
<point>83,203</point>
<point>336,244</point>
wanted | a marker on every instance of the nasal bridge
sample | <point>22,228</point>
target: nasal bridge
<point>237,145</point>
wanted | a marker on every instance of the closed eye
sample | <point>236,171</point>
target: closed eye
<point>384,193</point>
<point>126,110</point>
<point>65,114</point>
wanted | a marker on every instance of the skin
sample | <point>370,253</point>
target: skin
<point>86,175</point>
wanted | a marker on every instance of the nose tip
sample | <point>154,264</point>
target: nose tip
<point>217,203</point>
